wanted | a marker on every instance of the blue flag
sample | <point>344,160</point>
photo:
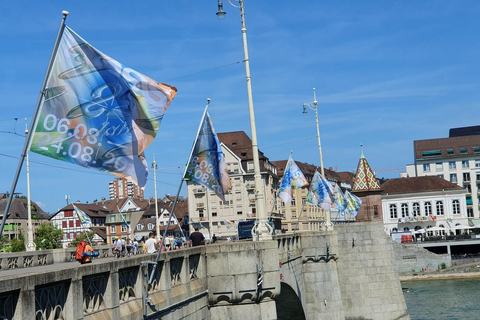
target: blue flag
<point>125,221</point>
<point>98,113</point>
<point>339,197</point>
<point>207,165</point>
<point>353,203</point>
<point>293,178</point>
<point>82,216</point>
<point>321,192</point>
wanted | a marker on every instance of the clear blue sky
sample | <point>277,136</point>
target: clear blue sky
<point>386,73</point>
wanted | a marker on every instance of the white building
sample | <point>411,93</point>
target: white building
<point>455,159</point>
<point>411,204</point>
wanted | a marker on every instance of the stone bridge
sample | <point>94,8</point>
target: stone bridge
<point>346,273</point>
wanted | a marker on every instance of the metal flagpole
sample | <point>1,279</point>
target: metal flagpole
<point>34,119</point>
<point>178,194</point>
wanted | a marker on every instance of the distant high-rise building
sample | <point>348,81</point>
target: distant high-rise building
<point>121,188</point>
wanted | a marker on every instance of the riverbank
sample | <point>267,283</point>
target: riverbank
<point>464,271</point>
<point>441,276</point>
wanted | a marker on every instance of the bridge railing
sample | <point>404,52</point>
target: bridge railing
<point>113,289</point>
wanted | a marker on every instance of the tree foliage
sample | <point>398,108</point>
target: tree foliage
<point>18,244</point>
<point>48,237</point>
<point>4,243</point>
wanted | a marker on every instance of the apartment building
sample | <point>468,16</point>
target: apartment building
<point>455,159</point>
<point>121,188</point>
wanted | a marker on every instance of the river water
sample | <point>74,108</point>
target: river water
<point>442,299</point>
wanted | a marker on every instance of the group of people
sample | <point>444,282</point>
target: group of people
<point>124,247</point>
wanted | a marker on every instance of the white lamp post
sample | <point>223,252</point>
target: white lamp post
<point>154,167</point>
<point>314,106</point>
<point>30,244</point>
<point>263,231</point>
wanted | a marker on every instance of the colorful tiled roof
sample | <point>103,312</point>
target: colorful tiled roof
<point>365,179</point>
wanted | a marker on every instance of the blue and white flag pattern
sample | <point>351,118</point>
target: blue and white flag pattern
<point>293,178</point>
<point>321,192</point>
<point>353,203</point>
<point>82,216</point>
<point>339,199</point>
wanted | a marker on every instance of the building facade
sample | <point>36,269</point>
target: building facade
<point>412,204</point>
<point>67,220</point>
<point>121,188</point>
<point>214,216</point>
<point>455,159</point>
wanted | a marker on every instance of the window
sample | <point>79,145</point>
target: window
<point>440,176</point>
<point>426,167</point>
<point>64,224</point>
<point>112,218</point>
<point>416,209</point>
<point>439,206</point>
<point>404,210</point>
<point>292,202</point>
<point>453,178</point>
<point>124,228</point>
<point>214,214</point>
<point>478,178</point>
<point>468,188</point>
<point>463,150</point>
<point>139,227</point>
<point>200,214</point>
<point>239,212</point>
<point>428,208</point>
<point>476,149</point>
<point>70,223</point>
<point>439,166</point>
<point>456,206</point>
<point>452,165</point>
<point>150,226</point>
<point>375,210</point>
<point>465,164</point>
<point>477,163</point>
<point>393,211</point>
<point>77,223</point>
<point>112,229</point>
<point>432,153</point>
<point>243,154</point>
<point>470,212</point>
<point>450,152</point>
<point>466,176</point>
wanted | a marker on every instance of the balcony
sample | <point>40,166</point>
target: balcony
<point>202,218</point>
<point>200,205</point>
<point>250,186</point>
<point>199,190</point>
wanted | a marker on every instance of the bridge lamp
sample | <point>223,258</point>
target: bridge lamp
<point>262,230</point>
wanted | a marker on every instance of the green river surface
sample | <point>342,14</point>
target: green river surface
<point>442,299</point>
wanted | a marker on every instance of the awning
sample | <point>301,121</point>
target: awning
<point>475,223</point>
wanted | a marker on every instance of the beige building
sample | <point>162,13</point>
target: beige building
<point>209,212</point>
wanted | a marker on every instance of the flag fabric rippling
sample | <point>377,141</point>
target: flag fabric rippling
<point>321,192</point>
<point>82,216</point>
<point>353,203</point>
<point>293,178</point>
<point>339,199</point>
<point>207,165</point>
<point>98,113</point>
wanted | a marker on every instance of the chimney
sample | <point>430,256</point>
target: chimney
<point>103,200</point>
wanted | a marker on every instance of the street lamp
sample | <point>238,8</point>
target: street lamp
<point>314,106</point>
<point>154,167</point>
<point>262,229</point>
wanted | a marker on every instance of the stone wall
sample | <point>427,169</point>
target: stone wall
<point>411,259</point>
<point>367,274</point>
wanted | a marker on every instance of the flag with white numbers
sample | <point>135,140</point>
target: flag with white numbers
<point>98,113</point>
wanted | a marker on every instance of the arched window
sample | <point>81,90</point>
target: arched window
<point>393,211</point>
<point>406,229</point>
<point>456,206</point>
<point>394,230</point>
<point>404,210</point>
<point>428,208</point>
<point>416,209</point>
<point>439,205</point>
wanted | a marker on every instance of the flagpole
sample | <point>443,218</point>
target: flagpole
<point>178,193</point>
<point>34,119</point>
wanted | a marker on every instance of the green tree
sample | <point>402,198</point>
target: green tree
<point>4,241</point>
<point>82,237</point>
<point>48,237</point>
<point>18,244</point>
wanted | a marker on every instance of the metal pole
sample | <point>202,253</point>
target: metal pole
<point>34,120</point>
<point>154,165</point>
<point>262,230</point>
<point>315,103</point>
<point>30,244</point>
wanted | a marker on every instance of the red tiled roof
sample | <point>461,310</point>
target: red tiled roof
<point>417,184</point>
<point>91,209</point>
